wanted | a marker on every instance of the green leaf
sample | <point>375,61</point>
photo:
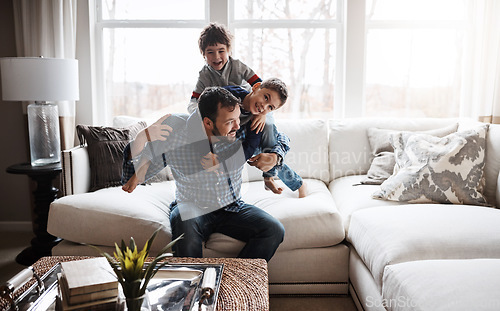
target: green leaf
<point>168,248</point>
<point>152,238</point>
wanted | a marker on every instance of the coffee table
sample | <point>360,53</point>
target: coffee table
<point>244,284</point>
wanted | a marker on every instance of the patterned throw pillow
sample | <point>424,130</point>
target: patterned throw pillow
<point>439,170</point>
<point>382,165</point>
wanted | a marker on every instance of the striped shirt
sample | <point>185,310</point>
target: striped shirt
<point>234,72</point>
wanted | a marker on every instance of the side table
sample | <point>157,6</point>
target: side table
<point>45,193</point>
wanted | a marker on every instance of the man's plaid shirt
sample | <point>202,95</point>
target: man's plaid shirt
<point>183,151</point>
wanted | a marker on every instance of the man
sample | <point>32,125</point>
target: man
<point>209,200</point>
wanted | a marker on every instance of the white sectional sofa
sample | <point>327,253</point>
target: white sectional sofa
<point>390,255</point>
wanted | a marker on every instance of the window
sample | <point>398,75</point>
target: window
<point>150,55</point>
<point>414,57</point>
<point>298,42</point>
<point>339,58</point>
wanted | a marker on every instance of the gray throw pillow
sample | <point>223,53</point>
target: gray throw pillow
<point>382,165</point>
<point>430,169</point>
<point>105,148</point>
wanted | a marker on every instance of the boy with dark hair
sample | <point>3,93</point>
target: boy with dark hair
<point>222,70</point>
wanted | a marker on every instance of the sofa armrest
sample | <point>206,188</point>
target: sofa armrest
<point>75,170</point>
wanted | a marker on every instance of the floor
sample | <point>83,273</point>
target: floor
<point>12,243</point>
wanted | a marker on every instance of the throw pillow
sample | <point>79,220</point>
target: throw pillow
<point>105,148</point>
<point>439,170</point>
<point>383,163</point>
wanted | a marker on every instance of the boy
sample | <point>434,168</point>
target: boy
<point>263,98</point>
<point>222,70</point>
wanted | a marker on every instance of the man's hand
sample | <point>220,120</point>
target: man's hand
<point>264,161</point>
<point>210,163</point>
<point>159,131</point>
<point>258,122</point>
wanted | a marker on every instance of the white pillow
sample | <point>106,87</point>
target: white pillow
<point>440,170</point>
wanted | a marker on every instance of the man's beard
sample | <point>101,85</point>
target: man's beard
<point>217,133</point>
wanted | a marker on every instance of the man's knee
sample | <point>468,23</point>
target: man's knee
<point>277,230</point>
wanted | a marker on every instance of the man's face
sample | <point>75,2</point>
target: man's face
<point>262,100</point>
<point>227,122</point>
<point>216,56</point>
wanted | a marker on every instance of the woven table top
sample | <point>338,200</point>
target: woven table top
<point>244,284</point>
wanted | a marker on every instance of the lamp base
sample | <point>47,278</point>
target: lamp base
<point>43,126</point>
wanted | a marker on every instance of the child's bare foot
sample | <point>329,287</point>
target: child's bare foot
<point>131,184</point>
<point>303,190</point>
<point>270,185</point>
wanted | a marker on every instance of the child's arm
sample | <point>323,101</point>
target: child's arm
<point>156,131</point>
<point>135,166</point>
<point>246,72</point>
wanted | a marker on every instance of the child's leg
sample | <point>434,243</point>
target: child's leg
<point>269,133</point>
<point>267,142</point>
<point>292,180</point>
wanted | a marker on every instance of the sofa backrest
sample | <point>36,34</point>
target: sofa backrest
<point>350,151</point>
<point>308,155</point>
<point>492,167</point>
<point>323,150</point>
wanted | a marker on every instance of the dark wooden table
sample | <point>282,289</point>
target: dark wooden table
<point>44,194</point>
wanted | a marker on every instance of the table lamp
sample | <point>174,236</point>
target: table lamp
<point>41,80</point>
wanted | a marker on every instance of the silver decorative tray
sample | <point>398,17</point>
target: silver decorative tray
<point>176,287</point>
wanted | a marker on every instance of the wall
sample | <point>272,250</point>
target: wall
<point>15,190</point>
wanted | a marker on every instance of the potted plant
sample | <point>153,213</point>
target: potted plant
<point>133,272</point>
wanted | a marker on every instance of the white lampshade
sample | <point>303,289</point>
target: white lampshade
<point>39,79</point>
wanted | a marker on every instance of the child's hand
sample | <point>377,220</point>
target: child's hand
<point>258,122</point>
<point>210,163</point>
<point>159,131</point>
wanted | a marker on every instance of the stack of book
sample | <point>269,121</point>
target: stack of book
<point>88,284</point>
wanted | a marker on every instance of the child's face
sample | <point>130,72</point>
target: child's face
<point>262,100</point>
<point>216,56</point>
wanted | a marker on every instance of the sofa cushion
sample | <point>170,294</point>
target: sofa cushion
<point>109,215</point>
<point>394,234</point>
<point>105,150</point>
<point>350,196</point>
<point>308,155</point>
<point>440,170</point>
<point>309,222</point>
<point>425,285</point>
<point>383,162</point>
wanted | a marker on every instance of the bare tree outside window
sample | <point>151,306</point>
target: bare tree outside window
<point>303,57</point>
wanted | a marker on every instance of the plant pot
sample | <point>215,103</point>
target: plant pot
<point>134,304</point>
